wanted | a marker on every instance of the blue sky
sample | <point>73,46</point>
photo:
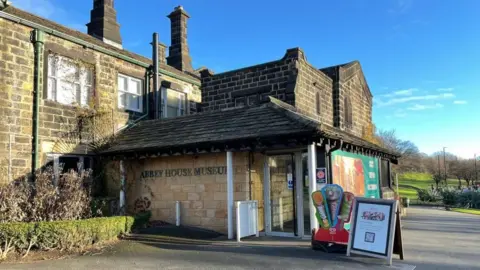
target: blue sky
<point>420,57</point>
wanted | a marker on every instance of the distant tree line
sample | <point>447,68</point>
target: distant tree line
<point>440,165</point>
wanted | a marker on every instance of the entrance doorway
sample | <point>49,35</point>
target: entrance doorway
<point>281,191</point>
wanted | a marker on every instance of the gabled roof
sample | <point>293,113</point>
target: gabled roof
<point>77,34</point>
<point>333,72</point>
<point>270,120</point>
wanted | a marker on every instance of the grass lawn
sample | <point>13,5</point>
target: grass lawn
<point>409,183</point>
<point>467,211</point>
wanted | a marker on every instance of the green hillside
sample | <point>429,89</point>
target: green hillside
<point>409,183</point>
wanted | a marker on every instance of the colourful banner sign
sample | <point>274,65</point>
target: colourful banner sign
<point>356,173</point>
<point>332,209</point>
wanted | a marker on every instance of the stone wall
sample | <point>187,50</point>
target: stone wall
<point>353,85</point>
<point>257,174</point>
<point>310,82</point>
<point>58,123</point>
<point>203,197</point>
<point>251,85</point>
<point>295,81</point>
<point>16,86</point>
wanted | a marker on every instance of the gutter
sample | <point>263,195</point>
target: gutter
<point>89,45</point>
<point>37,37</point>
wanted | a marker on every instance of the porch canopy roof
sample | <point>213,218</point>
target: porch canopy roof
<point>270,125</point>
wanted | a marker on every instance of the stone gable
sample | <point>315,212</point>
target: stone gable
<point>251,85</point>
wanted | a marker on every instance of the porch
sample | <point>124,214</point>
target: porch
<point>269,153</point>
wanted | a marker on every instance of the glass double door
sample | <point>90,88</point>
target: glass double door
<point>282,193</point>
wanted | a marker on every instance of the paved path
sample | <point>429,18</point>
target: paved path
<point>434,239</point>
<point>171,253</point>
<point>439,239</point>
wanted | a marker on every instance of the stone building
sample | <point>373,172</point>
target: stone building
<point>188,137</point>
<point>76,79</point>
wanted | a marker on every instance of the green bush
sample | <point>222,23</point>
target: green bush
<point>449,196</point>
<point>470,199</point>
<point>61,235</point>
<point>141,219</point>
<point>428,195</point>
<point>129,223</point>
<point>16,236</point>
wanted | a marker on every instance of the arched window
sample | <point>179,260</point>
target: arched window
<point>318,102</point>
<point>347,110</point>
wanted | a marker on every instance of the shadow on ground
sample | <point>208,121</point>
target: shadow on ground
<point>179,231</point>
<point>188,239</point>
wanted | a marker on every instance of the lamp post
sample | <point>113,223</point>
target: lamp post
<point>475,168</point>
<point>439,171</point>
<point>445,164</point>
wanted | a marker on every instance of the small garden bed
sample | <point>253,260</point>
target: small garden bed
<point>57,216</point>
<point>465,201</point>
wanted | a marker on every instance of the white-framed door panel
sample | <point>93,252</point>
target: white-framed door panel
<point>298,199</point>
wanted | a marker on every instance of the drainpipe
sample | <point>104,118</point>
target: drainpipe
<point>250,159</point>
<point>37,38</point>
<point>155,74</point>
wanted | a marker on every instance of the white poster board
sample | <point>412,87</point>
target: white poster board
<point>373,228</point>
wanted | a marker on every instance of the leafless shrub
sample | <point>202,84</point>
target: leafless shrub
<point>44,200</point>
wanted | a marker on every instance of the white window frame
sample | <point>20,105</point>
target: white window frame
<point>182,103</point>
<point>129,92</point>
<point>80,85</point>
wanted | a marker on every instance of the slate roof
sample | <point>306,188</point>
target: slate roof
<point>209,127</point>
<point>268,120</point>
<point>83,36</point>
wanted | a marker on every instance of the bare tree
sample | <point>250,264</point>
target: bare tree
<point>456,170</point>
<point>411,159</point>
<point>431,166</point>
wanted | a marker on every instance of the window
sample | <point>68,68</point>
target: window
<point>130,93</point>
<point>69,82</point>
<point>348,119</point>
<point>173,103</point>
<point>318,102</point>
<point>64,163</point>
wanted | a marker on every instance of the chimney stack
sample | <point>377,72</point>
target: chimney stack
<point>179,56</point>
<point>103,23</point>
<point>162,53</point>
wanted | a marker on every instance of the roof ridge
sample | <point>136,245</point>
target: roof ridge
<point>106,45</point>
<point>292,113</point>
<point>28,16</point>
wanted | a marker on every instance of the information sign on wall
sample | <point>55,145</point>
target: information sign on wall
<point>321,175</point>
<point>290,181</point>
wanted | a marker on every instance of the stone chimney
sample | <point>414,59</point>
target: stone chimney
<point>162,53</point>
<point>103,23</point>
<point>179,56</point>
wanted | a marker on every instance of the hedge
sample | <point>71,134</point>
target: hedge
<point>61,235</point>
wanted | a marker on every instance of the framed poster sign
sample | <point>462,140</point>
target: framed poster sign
<point>321,175</point>
<point>372,228</point>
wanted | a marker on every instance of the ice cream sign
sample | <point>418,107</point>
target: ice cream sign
<point>333,206</point>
